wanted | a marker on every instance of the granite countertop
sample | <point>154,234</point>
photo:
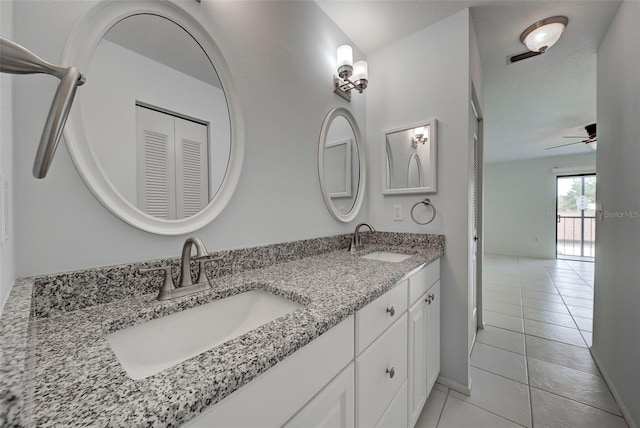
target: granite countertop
<point>72,378</point>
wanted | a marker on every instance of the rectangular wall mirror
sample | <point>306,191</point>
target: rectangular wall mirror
<point>409,159</point>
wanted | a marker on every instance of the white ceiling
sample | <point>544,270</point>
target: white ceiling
<point>529,105</point>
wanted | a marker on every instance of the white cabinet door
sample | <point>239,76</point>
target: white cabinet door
<point>433,335</point>
<point>380,372</point>
<point>276,395</point>
<point>396,414</point>
<point>417,348</point>
<point>333,407</point>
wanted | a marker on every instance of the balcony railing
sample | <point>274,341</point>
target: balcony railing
<point>576,236</point>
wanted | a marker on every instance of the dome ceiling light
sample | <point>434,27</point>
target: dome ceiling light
<point>541,36</point>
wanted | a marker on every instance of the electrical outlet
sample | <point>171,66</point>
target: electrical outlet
<point>397,212</point>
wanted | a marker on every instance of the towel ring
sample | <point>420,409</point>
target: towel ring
<point>426,202</point>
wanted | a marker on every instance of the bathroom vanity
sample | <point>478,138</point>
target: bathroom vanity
<point>376,368</point>
<point>363,348</point>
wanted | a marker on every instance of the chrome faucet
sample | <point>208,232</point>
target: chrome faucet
<point>186,285</point>
<point>356,241</point>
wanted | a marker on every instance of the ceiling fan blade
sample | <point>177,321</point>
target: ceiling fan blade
<point>562,145</point>
<point>520,57</point>
<point>573,136</point>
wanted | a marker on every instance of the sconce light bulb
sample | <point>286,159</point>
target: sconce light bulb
<point>345,56</point>
<point>360,71</point>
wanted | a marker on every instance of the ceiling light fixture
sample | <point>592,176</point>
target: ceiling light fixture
<point>358,72</point>
<point>543,34</point>
<point>540,36</point>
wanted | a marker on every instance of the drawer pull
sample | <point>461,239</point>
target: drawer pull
<point>430,298</point>
<point>391,311</point>
<point>391,372</point>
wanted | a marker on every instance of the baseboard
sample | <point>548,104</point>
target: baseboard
<point>614,392</point>
<point>462,389</point>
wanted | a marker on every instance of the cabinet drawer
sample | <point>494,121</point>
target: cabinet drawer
<point>396,414</point>
<point>378,315</point>
<point>375,386</point>
<point>422,280</point>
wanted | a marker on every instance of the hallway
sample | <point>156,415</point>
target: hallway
<point>530,365</point>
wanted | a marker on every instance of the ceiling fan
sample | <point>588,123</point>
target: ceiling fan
<point>591,141</point>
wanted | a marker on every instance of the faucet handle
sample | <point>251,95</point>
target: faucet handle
<point>167,285</point>
<point>210,257</point>
<point>167,269</point>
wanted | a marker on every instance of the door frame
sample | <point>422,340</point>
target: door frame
<point>581,174</point>
<point>476,276</point>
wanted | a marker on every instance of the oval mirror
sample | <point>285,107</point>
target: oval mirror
<point>157,132</point>
<point>341,164</point>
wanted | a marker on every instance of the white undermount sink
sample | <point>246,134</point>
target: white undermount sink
<point>148,348</point>
<point>387,256</point>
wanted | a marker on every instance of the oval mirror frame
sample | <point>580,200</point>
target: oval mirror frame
<point>362,173</point>
<point>79,49</point>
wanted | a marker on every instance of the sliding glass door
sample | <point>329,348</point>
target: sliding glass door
<point>575,216</point>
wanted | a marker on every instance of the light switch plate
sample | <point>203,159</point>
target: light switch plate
<point>397,212</point>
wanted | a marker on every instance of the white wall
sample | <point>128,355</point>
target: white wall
<point>282,55</point>
<point>7,248</point>
<point>520,204</point>
<point>423,76</point>
<point>616,323</point>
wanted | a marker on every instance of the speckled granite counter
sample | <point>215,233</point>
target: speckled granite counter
<point>58,370</point>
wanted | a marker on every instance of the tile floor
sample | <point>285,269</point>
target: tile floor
<point>530,365</point>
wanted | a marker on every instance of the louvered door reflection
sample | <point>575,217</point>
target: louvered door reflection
<point>192,179</point>
<point>173,165</point>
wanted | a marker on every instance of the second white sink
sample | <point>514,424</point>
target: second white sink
<point>148,348</point>
<point>387,256</point>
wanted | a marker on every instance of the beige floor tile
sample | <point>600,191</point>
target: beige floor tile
<point>575,357</point>
<point>577,311</point>
<point>459,414</point>
<point>508,322</point>
<point>503,308</point>
<point>432,410</point>
<point>499,361</point>
<point>578,301</point>
<point>545,306</point>
<point>550,410</point>
<point>584,324</point>
<point>549,317</point>
<point>501,338</point>
<point>576,385</point>
<point>498,395</point>
<point>554,332</point>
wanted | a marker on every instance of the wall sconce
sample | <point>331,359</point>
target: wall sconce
<point>350,76</point>
<point>418,137</point>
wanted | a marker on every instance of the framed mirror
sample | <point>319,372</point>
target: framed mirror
<point>409,159</point>
<point>156,133</point>
<point>341,164</point>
